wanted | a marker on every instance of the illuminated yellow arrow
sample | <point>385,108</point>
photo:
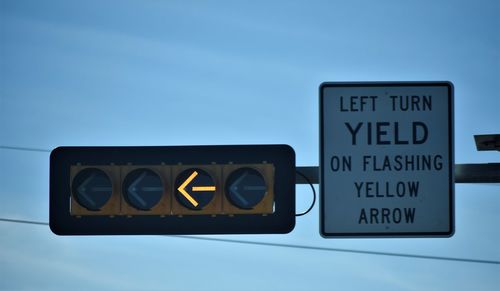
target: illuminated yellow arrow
<point>182,189</point>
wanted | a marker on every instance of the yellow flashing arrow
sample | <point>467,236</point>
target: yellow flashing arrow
<point>203,188</point>
<point>182,189</point>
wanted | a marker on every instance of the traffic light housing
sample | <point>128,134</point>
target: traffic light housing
<point>172,190</point>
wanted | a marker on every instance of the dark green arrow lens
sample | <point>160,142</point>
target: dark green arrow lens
<point>92,188</point>
<point>142,189</point>
<point>245,188</point>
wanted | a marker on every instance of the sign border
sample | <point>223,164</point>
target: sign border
<point>451,163</point>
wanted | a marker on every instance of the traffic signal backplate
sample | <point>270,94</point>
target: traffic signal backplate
<point>172,190</point>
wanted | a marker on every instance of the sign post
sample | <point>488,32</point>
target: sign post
<point>386,165</point>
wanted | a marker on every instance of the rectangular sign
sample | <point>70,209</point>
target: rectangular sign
<point>386,165</point>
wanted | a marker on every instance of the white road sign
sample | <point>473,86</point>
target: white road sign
<point>386,165</point>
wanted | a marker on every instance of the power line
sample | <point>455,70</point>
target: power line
<point>304,247</point>
<point>23,221</point>
<point>265,243</point>
<point>344,250</point>
<point>24,149</point>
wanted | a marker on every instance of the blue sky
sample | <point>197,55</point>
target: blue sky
<point>233,72</point>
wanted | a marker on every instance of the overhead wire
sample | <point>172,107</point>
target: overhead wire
<point>294,246</point>
<point>465,260</point>
<point>24,149</point>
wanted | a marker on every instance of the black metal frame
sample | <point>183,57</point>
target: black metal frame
<point>281,221</point>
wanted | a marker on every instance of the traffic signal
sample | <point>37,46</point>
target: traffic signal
<point>172,190</point>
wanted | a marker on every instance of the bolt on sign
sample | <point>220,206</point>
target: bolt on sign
<point>386,165</point>
<point>172,190</point>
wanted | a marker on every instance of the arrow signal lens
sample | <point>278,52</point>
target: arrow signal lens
<point>245,188</point>
<point>92,188</point>
<point>142,189</point>
<point>194,189</point>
